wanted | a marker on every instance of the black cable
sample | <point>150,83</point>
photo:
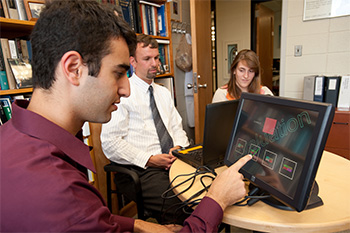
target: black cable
<point>188,203</point>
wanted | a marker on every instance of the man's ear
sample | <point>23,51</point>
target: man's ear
<point>72,66</point>
<point>132,61</point>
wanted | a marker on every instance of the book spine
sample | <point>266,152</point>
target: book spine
<point>161,20</point>
<point>125,5</point>
<point>344,93</point>
<point>319,89</point>
<point>6,104</point>
<point>13,12</point>
<point>13,49</point>
<point>3,117</point>
<point>3,77</point>
<point>3,80</point>
<point>4,7</point>
<point>6,54</point>
<point>21,10</point>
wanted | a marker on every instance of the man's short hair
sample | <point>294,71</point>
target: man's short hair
<point>147,40</point>
<point>84,26</point>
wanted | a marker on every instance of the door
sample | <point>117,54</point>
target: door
<point>202,62</point>
<point>264,43</point>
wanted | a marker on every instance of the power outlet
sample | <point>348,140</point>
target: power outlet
<point>298,50</point>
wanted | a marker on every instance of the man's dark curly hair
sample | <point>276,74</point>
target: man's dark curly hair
<point>85,26</point>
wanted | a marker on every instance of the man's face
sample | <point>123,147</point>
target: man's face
<point>104,91</point>
<point>145,62</point>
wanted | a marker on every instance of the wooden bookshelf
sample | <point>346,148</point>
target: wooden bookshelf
<point>16,91</point>
<point>12,28</point>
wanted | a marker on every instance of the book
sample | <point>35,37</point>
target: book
<point>3,117</point>
<point>24,50</point>
<point>344,94</point>
<point>13,49</point>
<point>3,77</point>
<point>2,13</point>
<point>319,89</point>
<point>6,105</point>
<point>143,18</point>
<point>137,16</point>
<point>6,54</point>
<point>22,71</point>
<point>309,87</point>
<point>22,15</point>
<point>161,20</point>
<point>12,9</point>
<point>5,9</point>
<point>125,5</point>
<point>331,93</point>
<point>3,80</point>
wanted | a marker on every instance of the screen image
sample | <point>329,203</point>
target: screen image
<point>269,133</point>
<point>286,138</point>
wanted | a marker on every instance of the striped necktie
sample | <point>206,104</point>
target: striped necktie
<point>166,142</point>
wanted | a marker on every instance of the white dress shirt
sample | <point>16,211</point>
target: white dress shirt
<point>130,137</point>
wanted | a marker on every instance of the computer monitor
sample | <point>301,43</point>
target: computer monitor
<point>286,138</point>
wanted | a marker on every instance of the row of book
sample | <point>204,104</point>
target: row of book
<point>6,106</point>
<point>328,89</point>
<point>144,16</point>
<point>15,68</point>
<point>13,9</point>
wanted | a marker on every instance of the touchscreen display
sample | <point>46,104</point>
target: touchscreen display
<point>278,137</point>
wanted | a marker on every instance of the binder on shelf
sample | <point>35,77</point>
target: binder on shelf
<point>344,94</point>
<point>319,89</point>
<point>331,93</point>
<point>12,9</point>
<point>309,87</point>
<point>161,21</point>
<point>4,7</point>
<point>22,71</point>
<point>22,15</point>
<point>6,105</point>
<point>6,53</point>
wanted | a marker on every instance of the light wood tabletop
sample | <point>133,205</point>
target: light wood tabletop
<point>333,178</point>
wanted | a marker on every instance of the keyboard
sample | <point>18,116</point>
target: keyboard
<point>195,152</point>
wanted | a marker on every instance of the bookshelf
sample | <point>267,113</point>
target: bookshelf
<point>10,29</point>
<point>13,28</point>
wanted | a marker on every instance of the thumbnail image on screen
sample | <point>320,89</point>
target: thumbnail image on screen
<point>278,138</point>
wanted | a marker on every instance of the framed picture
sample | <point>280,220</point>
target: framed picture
<point>33,8</point>
<point>176,10</point>
<point>232,50</point>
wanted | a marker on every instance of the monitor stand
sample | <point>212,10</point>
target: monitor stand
<point>314,200</point>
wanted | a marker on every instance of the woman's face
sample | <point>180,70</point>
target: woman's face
<point>244,75</point>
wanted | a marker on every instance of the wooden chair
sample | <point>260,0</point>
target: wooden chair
<point>103,180</point>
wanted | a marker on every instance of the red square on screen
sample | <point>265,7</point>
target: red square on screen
<point>269,126</point>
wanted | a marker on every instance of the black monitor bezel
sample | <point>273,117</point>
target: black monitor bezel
<point>314,153</point>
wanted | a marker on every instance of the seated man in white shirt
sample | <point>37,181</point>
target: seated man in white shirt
<point>131,137</point>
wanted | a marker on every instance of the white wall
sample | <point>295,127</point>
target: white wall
<point>325,48</point>
<point>179,75</point>
<point>232,25</point>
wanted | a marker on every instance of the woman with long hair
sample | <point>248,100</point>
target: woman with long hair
<point>245,77</point>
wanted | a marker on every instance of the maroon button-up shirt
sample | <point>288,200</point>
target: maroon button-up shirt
<point>44,186</point>
<point>43,183</point>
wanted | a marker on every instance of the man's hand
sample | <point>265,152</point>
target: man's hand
<point>228,187</point>
<point>161,161</point>
<point>142,226</point>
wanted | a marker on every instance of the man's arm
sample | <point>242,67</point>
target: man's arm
<point>226,189</point>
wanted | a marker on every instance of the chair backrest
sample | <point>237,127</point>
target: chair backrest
<point>98,158</point>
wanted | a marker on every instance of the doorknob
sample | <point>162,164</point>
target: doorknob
<point>202,86</point>
<point>189,86</point>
